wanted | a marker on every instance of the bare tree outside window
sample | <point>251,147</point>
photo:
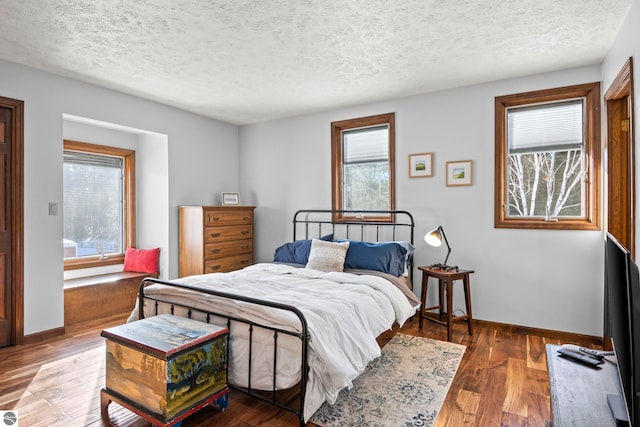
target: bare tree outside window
<point>548,184</point>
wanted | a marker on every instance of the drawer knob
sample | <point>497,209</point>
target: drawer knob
<point>244,261</point>
<point>216,267</point>
<point>244,247</point>
<point>215,234</point>
<point>246,218</point>
<point>215,251</point>
<point>216,218</point>
<point>245,232</point>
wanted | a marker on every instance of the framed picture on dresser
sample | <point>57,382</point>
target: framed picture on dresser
<point>230,199</point>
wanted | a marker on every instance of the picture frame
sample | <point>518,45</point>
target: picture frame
<point>420,165</point>
<point>459,172</point>
<point>230,199</point>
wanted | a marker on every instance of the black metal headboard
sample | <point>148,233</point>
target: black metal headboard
<point>313,223</point>
<point>310,223</point>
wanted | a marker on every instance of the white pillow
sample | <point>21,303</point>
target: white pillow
<point>327,256</point>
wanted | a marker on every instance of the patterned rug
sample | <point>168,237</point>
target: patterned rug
<point>404,387</point>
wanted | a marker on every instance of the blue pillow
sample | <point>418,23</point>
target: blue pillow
<point>296,252</point>
<point>387,257</point>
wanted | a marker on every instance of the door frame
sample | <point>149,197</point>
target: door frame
<point>619,98</point>
<point>17,218</point>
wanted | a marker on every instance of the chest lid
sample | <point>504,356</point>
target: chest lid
<point>163,335</point>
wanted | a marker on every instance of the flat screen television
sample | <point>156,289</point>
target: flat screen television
<point>622,326</point>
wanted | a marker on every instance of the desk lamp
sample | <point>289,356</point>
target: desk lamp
<point>434,238</point>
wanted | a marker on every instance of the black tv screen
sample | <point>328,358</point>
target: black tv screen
<point>619,270</point>
<point>634,325</point>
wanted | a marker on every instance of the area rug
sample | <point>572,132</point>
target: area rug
<point>404,387</point>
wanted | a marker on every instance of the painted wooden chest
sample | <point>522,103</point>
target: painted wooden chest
<point>165,367</point>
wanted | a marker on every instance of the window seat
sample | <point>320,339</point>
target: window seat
<point>94,297</point>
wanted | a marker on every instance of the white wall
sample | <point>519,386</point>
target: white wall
<point>627,45</point>
<point>538,278</point>
<point>202,161</point>
<point>152,197</point>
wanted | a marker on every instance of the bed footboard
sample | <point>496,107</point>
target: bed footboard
<point>297,405</point>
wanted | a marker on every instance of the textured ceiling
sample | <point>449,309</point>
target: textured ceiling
<point>251,61</point>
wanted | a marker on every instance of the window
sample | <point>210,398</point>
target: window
<point>99,204</point>
<point>547,152</point>
<point>362,166</point>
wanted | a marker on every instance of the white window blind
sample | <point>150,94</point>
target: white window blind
<point>89,159</point>
<point>547,127</point>
<point>366,145</point>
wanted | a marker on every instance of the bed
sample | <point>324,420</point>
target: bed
<point>305,325</point>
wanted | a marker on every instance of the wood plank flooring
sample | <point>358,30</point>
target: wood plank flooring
<point>502,381</point>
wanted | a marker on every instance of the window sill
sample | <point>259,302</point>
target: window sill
<point>541,224</point>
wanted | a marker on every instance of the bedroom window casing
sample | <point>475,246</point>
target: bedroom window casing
<point>547,159</point>
<point>362,165</point>
<point>99,204</point>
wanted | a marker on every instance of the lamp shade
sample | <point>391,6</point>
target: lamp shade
<point>434,237</point>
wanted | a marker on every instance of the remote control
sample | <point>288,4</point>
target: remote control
<point>598,354</point>
<point>577,356</point>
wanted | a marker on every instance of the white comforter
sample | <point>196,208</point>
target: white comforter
<point>344,312</point>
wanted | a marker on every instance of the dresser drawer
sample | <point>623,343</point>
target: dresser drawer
<point>229,263</point>
<point>223,249</point>
<point>219,234</point>
<point>227,217</point>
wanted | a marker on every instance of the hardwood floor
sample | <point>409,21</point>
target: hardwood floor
<point>501,381</point>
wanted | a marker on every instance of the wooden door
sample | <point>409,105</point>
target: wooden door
<point>6,324</point>
<point>11,220</point>
<point>621,159</point>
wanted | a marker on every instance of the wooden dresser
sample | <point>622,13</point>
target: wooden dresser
<point>215,239</point>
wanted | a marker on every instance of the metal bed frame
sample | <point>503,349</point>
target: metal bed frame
<point>355,223</point>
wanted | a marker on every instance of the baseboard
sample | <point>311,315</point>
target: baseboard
<point>43,335</point>
<point>527,330</point>
<point>547,333</point>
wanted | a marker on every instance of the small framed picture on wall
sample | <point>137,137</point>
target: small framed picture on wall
<point>230,199</point>
<point>459,173</point>
<point>420,165</point>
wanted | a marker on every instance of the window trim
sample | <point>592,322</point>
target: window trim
<point>336,163</point>
<point>129,202</point>
<point>592,152</point>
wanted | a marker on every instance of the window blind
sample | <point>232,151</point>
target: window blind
<point>89,159</point>
<point>547,127</point>
<point>366,145</point>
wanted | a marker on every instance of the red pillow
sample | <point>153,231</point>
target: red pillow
<point>141,260</point>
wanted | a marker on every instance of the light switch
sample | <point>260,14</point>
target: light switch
<point>53,208</point>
